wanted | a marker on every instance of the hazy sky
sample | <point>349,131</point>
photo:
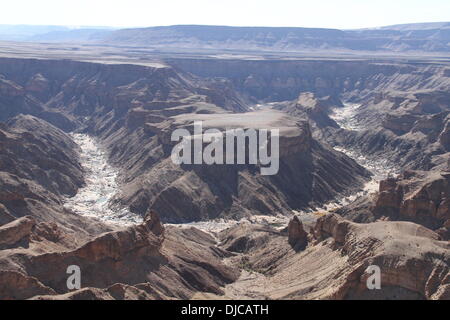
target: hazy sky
<point>295,13</point>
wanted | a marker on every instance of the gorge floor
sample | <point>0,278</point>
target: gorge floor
<point>94,199</point>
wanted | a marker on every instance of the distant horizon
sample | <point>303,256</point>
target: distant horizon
<point>75,27</point>
<point>327,14</point>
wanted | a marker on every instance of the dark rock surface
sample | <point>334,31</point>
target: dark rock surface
<point>297,236</point>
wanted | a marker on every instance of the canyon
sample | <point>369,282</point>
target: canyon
<point>86,177</point>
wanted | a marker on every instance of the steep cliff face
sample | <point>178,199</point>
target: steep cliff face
<point>38,161</point>
<point>444,136</point>
<point>282,80</point>
<point>417,196</point>
<point>71,94</point>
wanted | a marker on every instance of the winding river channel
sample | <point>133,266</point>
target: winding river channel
<point>95,198</point>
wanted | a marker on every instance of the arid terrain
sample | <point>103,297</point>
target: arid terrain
<point>87,179</point>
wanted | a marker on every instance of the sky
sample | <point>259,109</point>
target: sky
<point>341,14</point>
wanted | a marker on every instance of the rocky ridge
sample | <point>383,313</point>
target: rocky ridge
<point>414,262</point>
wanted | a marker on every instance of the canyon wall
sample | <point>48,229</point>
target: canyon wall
<point>280,80</point>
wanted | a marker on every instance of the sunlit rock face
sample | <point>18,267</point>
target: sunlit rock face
<point>334,263</point>
<point>416,196</point>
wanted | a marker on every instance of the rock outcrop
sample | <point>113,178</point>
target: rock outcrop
<point>13,232</point>
<point>17,286</point>
<point>413,263</point>
<point>142,261</point>
<point>400,249</point>
<point>316,109</point>
<point>420,197</point>
<point>297,236</point>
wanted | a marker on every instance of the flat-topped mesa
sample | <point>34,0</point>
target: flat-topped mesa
<point>189,189</point>
<point>294,135</point>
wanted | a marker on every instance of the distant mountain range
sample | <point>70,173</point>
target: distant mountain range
<point>422,37</point>
<point>50,33</point>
